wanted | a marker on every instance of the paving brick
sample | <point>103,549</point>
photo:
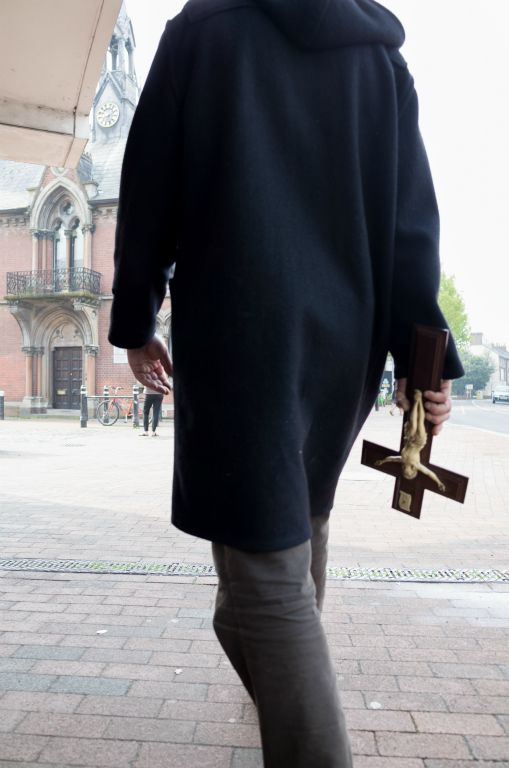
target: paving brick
<point>22,638</point>
<point>16,747</point>
<point>492,687</point>
<point>175,645</point>
<point>142,672</point>
<point>358,652</point>
<point>7,650</point>
<point>13,664</point>
<point>149,729</point>
<point>244,757</point>
<point>489,747</point>
<point>483,671</point>
<point>435,685</point>
<point>9,720</point>
<point>49,652</point>
<point>202,711</point>
<point>362,743</point>
<point>496,705</point>
<point>399,700</point>
<point>504,722</point>
<point>423,654</point>
<point>62,667</point>
<point>369,682</point>
<point>228,693</point>
<point>352,699</point>
<point>486,725</point>
<point>366,761</point>
<point>84,630</point>
<point>120,706</point>
<point>35,605</point>
<point>97,641</point>
<point>227,734</point>
<point>464,764</point>
<point>422,745</point>
<point>116,655</point>
<point>377,720</point>
<point>39,702</point>
<point>102,686</point>
<point>52,724</point>
<point>183,755</point>
<point>188,659</point>
<point>206,646</point>
<point>206,675</point>
<point>179,691</point>
<point>19,681</point>
<point>447,643</point>
<point>101,753</point>
<point>395,668</point>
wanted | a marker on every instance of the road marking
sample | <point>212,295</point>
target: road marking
<point>479,429</point>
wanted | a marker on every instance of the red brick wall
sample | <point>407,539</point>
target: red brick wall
<point>12,359</point>
<point>15,255</point>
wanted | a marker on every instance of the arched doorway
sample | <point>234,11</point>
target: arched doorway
<point>66,363</point>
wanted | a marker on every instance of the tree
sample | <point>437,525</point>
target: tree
<point>478,369</point>
<point>453,307</point>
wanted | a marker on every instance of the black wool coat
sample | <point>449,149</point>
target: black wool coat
<point>275,159</point>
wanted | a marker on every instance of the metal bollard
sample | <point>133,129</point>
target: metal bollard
<point>106,398</point>
<point>136,406</point>
<point>84,406</point>
<point>2,406</point>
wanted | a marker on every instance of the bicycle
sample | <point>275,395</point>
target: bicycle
<point>109,410</point>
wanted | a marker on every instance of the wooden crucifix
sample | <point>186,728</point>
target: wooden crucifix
<point>411,468</point>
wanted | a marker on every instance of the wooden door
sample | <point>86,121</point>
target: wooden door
<point>67,376</point>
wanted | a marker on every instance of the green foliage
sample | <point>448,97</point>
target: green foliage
<point>453,307</point>
<point>478,369</point>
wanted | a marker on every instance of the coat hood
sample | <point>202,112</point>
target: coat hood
<point>321,24</point>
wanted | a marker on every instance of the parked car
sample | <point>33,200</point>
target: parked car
<point>500,394</point>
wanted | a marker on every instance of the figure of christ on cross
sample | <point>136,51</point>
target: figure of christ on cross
<point>415,438</point>
<point>422,421</point>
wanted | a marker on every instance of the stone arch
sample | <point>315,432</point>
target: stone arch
<point>46,206</point>
<point>50,319</point>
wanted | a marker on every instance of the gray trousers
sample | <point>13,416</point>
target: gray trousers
<point>267,619</point>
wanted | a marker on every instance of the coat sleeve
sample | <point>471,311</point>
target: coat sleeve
<point>145,239</point>
<point>416,278</point>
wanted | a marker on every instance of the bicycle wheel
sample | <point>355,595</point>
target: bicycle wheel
<point>107,413</point>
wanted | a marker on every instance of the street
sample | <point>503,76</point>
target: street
<point>481,414</point>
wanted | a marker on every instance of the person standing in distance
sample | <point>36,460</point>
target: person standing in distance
<point>153,402</point>
<point>275,160</point>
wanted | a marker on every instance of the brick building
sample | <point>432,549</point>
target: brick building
<point>56,256</point>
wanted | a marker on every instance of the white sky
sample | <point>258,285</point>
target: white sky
<point>457,52</point>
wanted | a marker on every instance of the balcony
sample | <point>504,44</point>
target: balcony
<point>43,284</point>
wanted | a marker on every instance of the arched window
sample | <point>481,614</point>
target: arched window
<point>76,245</point>
<point>59,248</point>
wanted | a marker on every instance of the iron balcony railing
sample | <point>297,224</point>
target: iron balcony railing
<point>53,281</point>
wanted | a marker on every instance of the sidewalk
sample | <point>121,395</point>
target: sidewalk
<point>124,671</point>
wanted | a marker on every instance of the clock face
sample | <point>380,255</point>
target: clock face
<point>107,114</point>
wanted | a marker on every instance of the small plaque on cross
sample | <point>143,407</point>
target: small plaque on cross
<point>411,468</point>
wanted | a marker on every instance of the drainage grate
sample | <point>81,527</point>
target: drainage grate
<point>453,576</point>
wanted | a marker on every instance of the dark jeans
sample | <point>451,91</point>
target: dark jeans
<point>154,402</point>
<point>267,619</point>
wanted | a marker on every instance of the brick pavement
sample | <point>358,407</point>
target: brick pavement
<point>125,671</point>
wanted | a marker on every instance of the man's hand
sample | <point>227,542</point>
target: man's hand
<point>151,365</point>
<point>437,404</point>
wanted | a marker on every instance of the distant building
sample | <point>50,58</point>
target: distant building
<point>56,256</point>
<point>499,356</point>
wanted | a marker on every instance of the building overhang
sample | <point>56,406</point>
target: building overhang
<point>51,56</point>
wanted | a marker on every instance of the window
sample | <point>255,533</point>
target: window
<point>59,255</point>
<point>76,245</point>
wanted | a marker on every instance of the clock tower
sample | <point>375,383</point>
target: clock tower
<point>117,92</point>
